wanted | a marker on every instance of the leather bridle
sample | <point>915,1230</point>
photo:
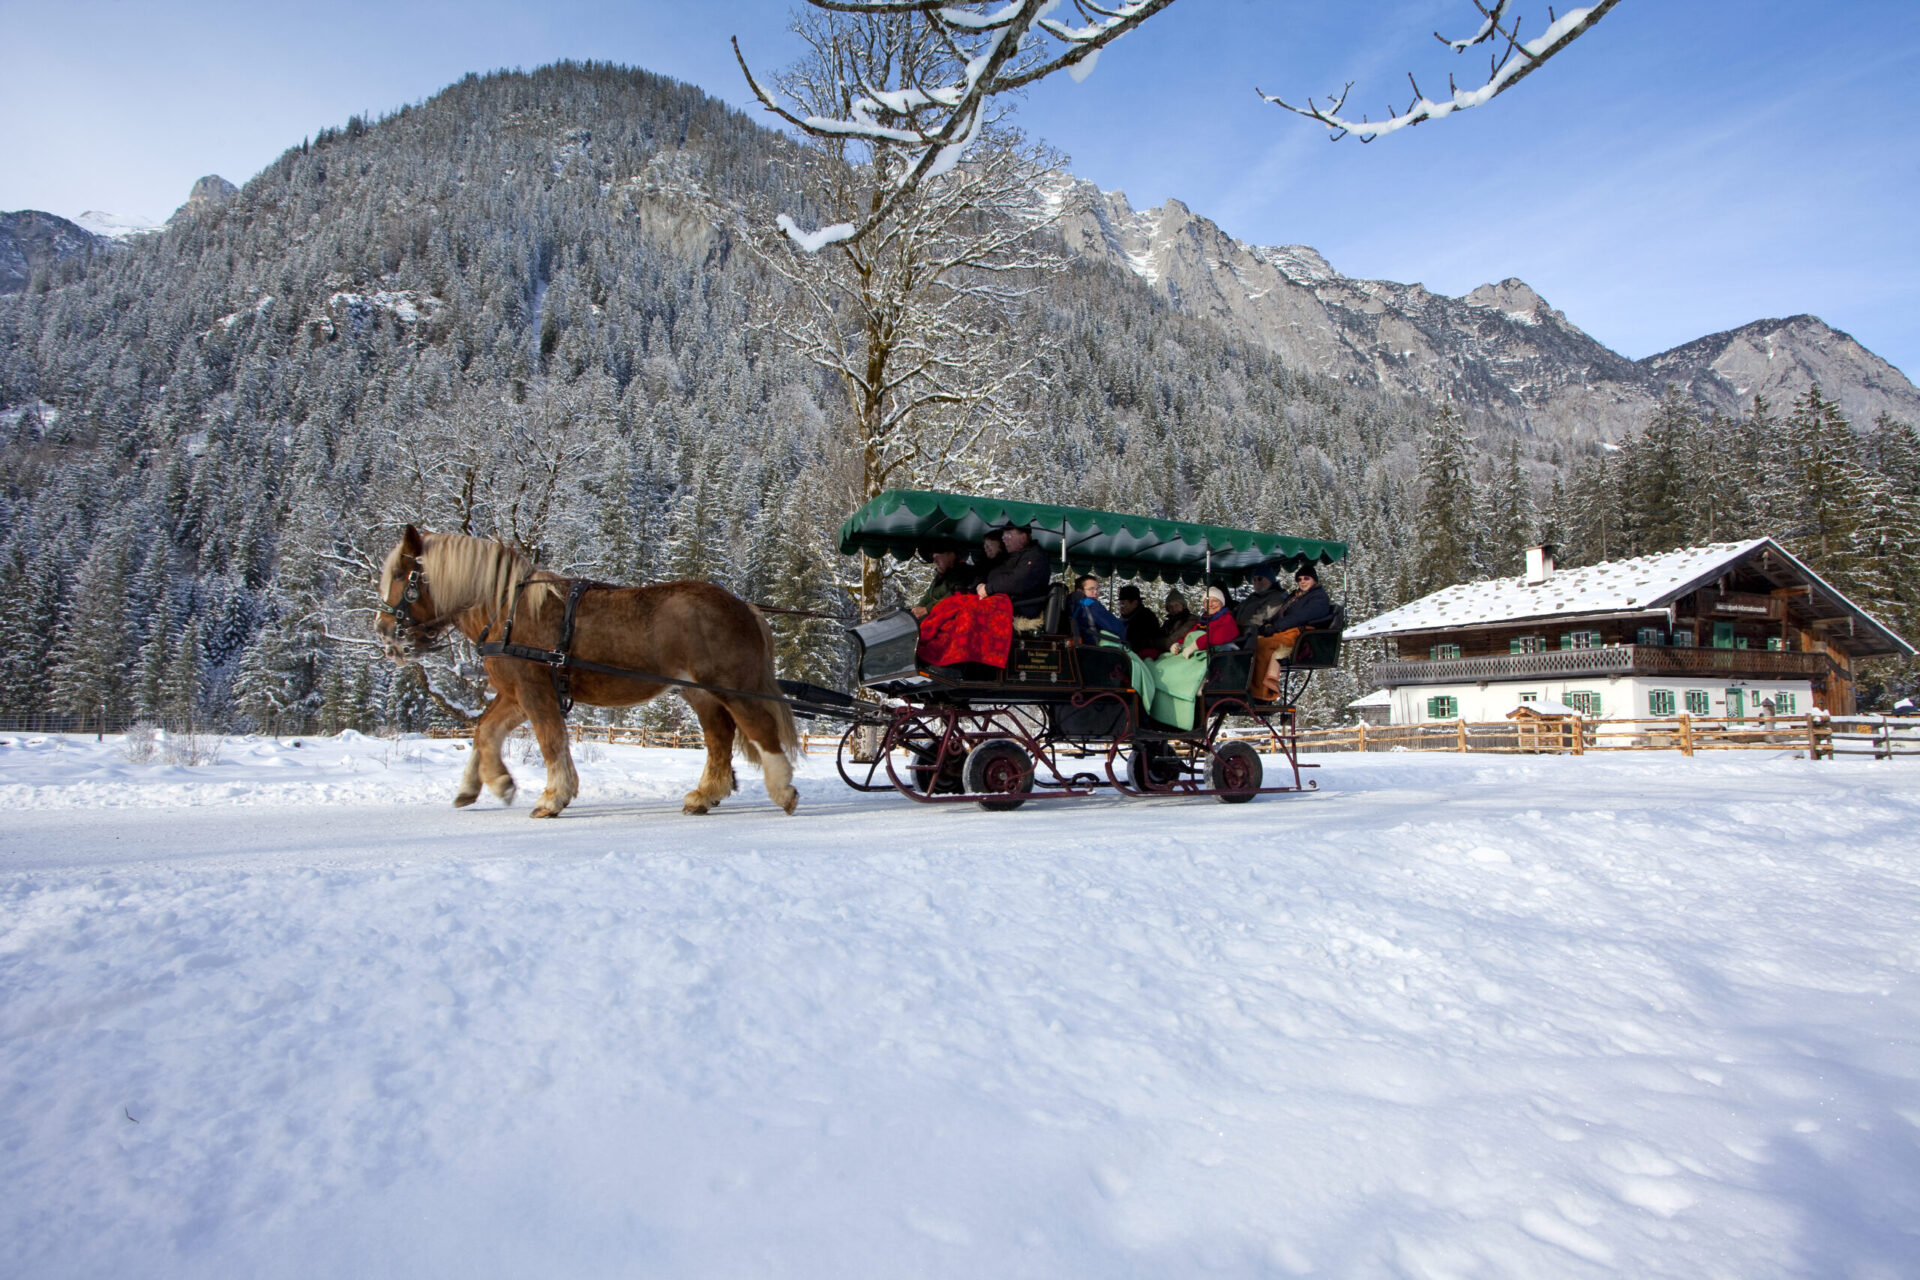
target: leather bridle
<point>405,625</point>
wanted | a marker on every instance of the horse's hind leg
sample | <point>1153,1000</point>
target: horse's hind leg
<point>716,780</point>
<point>760,733</point>
<point>502,716</point>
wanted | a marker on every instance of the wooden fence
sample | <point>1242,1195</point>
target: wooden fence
<point>1820,737</point>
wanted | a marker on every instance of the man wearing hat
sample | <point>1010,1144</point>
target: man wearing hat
<point>1143,629</point>
<point>1308,606</point>
<point>1023,575</point>
<point>1264,604</point>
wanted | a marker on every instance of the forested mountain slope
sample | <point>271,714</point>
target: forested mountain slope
<point>489,313</point>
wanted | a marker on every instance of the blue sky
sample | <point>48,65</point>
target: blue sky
<point>1689,166</point>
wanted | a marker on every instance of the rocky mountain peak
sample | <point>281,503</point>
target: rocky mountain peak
<point>1516,299</point>
<point>207,192</point>
<point>1501,351</point>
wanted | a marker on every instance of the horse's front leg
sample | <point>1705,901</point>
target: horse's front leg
<point>550,729</point>
<point>502,716</point>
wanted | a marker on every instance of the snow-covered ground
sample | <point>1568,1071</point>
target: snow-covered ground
<point>293,1015</point>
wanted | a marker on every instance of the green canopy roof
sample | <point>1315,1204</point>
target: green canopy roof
<point>905,523</point>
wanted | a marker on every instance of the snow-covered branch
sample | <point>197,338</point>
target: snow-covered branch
<point>931,111</point>
<point>1513,63</point>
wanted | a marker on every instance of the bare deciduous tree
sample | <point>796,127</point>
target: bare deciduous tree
<point>934,112</point>
<point>914,320</point>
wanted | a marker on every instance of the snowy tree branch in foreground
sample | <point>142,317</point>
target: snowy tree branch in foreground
<point>991,49</point>
<point>998,47</point>
<point>1506,68</point>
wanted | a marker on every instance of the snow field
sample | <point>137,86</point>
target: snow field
<point>293,1015</point>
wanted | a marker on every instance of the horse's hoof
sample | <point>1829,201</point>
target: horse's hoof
<point>791,802</point>
<point>465,798</point>
<point>542,811</point>
<point>695,804</point>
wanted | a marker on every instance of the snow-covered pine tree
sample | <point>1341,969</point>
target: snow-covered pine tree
<point>180,690</point>
<point>1512,518</point>
<point>92,655</point>
<point>1657,476</point>
<point>1444,529</point>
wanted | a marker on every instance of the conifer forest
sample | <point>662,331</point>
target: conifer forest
<point>513,311</point>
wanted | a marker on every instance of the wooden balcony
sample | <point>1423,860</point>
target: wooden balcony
<point>1614,660</point>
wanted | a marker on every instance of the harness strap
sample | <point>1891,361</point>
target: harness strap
<point>553,658</point>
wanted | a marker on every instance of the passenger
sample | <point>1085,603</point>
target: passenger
<point>1308,606</point>
<point>1022,577</point>
<point>1143,629</point>
<point>1179,621</point>
<point>950,577</point>
<point>1266,601</point>
<point>1093,622</point>
<point>1179,673</point>
<point>989,555</point>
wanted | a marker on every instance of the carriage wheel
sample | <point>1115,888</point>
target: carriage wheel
<point>1235,772</point>
<point>1152,767</point>
<point>944,781</point>
<point>999,767</point>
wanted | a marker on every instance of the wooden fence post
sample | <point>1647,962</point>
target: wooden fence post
<point>1363,735</point>
<point>1686,734</point>
<point>1579,736</point>
<point>1460,732</point>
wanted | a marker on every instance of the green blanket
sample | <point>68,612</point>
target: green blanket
<point>1177,680</point>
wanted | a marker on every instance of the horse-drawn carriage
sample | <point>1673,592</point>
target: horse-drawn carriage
<point>1036,728</point>
<point>1064,718</point>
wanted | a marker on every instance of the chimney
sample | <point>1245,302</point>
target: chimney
<point>1539,564</point>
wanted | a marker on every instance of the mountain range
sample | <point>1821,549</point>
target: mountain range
<point>1501,351</point>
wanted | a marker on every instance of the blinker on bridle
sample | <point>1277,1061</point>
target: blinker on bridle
<point>402,613</point>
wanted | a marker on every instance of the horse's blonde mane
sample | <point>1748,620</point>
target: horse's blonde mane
<point>464,572</point>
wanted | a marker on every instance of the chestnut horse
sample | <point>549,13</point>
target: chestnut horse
<point>680,630</point>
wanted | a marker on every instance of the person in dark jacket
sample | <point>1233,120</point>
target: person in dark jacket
<point>1143,628</point>
<point>990,554</point>
<point>950,577</point>
<point>1023,576</point>
<point>1266,601</point>
<point>1308,606</point>
<point>1179,621</point>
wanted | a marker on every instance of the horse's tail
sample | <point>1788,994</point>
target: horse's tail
<point>769,682</point>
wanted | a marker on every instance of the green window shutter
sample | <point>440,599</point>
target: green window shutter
<point>1699,702</point>
<point>1516,645</point>
<point>1660,702</point>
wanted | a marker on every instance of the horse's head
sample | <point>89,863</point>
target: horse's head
<point>409,623</point>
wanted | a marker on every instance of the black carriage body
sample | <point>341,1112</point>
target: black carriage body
<point>1062,718</point>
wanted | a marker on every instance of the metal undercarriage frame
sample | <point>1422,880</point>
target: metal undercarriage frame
<point>937,723</point>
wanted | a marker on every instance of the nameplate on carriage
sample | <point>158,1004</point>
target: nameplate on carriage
<point>1036,659</point>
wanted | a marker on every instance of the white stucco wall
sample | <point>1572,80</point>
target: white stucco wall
<point>1621,697</point>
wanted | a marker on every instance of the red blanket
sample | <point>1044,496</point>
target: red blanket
<point>967,629</point>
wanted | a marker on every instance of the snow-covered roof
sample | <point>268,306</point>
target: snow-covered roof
<point>1618,586</point>
<point>1378,698</point>
<point>1543,707</point>
<point>1640,585</point>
